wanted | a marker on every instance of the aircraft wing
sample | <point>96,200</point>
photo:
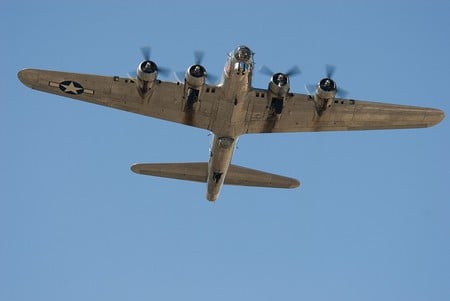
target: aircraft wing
<point>166,101</point>
<point>299,114</point>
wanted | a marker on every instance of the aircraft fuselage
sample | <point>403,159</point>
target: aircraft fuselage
<point>231,111</point>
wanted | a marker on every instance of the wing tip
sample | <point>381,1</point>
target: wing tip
<point>135,168</point>
<point>433,117</point>
<point>27,77</point>
<point>294,184</point>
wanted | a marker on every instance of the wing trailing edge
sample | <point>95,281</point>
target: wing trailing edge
<point>198,172</point>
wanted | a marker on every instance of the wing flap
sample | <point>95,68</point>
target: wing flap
<point>198,172</point>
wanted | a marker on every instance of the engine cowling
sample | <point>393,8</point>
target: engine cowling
<point>326,89</point>
<point>147,73</point>
<point>325,93</point>
<point>195,76</point>
<point>279,85</point>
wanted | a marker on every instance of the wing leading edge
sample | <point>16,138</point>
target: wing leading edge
<point>198,172</point>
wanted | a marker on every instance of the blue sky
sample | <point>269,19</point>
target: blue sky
<point>370,221</point>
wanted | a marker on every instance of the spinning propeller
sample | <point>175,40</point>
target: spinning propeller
<point>197,69</point>
<point>147,65</point>
<point>295,70</point>
<point>327,84</point>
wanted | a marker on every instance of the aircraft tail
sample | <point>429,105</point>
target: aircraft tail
<point>198,172</point>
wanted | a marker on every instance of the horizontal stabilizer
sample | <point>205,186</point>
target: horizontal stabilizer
<point>198,172</point>
<point>242,176</point>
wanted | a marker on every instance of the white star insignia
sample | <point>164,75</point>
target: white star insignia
<point>70,88</point>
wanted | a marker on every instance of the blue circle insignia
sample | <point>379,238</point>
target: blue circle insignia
<point>71,87</point>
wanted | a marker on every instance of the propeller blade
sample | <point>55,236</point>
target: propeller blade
<point>163,71</point>
<point>132,74</point>
<point>310,89</point>
<point>146,52</point>
<point>198,57</point>
<point>179,76</point>
<point>341,93</point>
<point>211,78</point>
<point>295,70</point>
<point>330,69</point>
<point>266,70</point>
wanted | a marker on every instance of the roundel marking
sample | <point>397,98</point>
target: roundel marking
<point>71,87</point>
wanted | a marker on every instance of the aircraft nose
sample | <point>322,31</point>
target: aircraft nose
<point>28,77</point>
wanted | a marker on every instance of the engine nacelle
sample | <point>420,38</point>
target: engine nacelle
<point>147,73</point>
<point>195,76</point>
<point>279,85</point>
<point>326,89</point>
<point>325,94</point>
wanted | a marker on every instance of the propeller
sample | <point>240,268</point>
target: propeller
<point>280,79</point>
<point>328,82</point>
<point>329,70</point>
<point>293,71</point>
<point>310,89</point>
<point>266,70</point>
<point>198,59</point>
<point>146,54</point>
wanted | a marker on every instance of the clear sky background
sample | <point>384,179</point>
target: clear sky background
<point>370,221</point>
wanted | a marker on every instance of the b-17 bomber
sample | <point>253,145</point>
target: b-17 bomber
<point>229,109</point>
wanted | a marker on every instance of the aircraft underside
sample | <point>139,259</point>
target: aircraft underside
<point>228,110</point>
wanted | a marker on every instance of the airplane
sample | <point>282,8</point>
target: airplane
<point>228,110</point>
